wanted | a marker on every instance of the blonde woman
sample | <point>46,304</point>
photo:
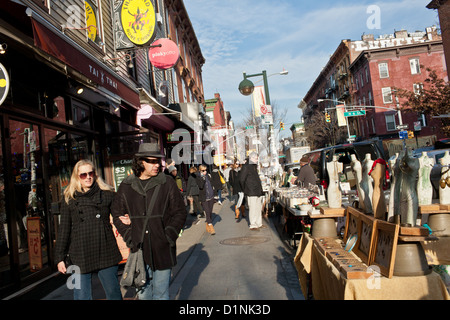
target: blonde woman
<point>85,234</point>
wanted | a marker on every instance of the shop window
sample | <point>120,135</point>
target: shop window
<point>5,244</point>
<point>28,199</point>
<point>81,115</point>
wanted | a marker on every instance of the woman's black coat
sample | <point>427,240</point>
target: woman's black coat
<point>85,231</point>
<point>234,181</point>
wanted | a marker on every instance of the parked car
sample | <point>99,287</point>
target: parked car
<point>435,175</point>
<point>318,159</point>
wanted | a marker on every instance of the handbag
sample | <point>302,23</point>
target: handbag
<point>134,273</point>
<point>222,180</point>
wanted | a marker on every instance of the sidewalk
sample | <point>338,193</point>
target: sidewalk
<point>234,264</point>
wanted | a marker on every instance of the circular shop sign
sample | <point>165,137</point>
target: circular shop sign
<point>4,83</point>
<point>166,56</point>
<point>138,21</point>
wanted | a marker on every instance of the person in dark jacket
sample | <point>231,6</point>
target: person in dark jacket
<point>306,175</point>
<point>238,194</point>
<point>252,187</point>
<point>85,233</point>
<point>193,192</point>
<point>165,221</point>
<point>206,196</point>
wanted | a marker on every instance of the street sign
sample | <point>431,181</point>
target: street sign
<point>355,113</point>
<point>402,127</point>
<point>403,134</point>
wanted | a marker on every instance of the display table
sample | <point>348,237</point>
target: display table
<point>328,283</point>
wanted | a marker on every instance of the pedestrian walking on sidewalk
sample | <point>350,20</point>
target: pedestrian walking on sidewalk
<point>252,187</point>
<point>206,196</point>
<point>85,237</point>
<point>238,194</point>
<point>217,181</point>
<point>193,192</point>
<point>226,175</point>
<point>132,215</point>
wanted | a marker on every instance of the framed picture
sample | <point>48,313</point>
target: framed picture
<point>364,246</point>
<point>352,223</point>
<point>385,247</point>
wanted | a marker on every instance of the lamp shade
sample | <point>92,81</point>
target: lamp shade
<point>246,87</point>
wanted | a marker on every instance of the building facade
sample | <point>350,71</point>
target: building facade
<point>383,70</point>
<point>221,131</point>
<point>352,78</point>
<point>443,9</point>
<point>80,87</point>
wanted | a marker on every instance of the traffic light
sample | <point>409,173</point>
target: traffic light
<point>281,126</point>
<point>327,117</point>
<point>410,134</point>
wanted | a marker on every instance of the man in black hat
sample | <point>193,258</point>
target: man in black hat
<point>131,208</point>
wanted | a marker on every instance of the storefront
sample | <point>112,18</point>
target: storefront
<point>46,126</point>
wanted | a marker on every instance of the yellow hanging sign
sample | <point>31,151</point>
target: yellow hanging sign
<point>91,21</point>
<point>138,21</point>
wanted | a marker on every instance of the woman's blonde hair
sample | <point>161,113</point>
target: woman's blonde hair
<point>75,185</point>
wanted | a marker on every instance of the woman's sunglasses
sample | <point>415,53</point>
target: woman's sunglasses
<point>152,161</point>
<point>84,175</point>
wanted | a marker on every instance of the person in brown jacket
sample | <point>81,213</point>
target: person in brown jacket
<point>131,208</point>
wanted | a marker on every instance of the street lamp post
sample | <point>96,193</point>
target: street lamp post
<point>246,88</point>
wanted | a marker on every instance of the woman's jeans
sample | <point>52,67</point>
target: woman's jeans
<point>157,285</point>
<point>108,278</point>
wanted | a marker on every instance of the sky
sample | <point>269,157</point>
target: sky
<point>238,36</point>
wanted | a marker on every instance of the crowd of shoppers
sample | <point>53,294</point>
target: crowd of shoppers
<point>149,211</point>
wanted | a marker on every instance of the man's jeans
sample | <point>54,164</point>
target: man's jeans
<point>157,286</point>
<point>108,278</point>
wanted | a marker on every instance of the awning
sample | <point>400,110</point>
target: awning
<point>149,116</point>
<point>65,49</point>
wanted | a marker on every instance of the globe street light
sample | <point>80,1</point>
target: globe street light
<point>246,88</point>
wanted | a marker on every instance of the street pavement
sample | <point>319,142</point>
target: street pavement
<point>234,264</point>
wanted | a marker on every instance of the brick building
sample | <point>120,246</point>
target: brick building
<point>352,77</point>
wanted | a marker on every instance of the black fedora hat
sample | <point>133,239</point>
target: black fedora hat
<point>149,150</point>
